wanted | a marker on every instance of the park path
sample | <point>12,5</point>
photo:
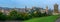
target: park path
<point>11,21</point>
<point>58,20</point>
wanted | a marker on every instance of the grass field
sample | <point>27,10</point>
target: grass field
<point>43,19</point>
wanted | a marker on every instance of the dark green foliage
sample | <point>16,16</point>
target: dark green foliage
<point>44,14</point>
<point>2,16</point>
<point>14,15</point>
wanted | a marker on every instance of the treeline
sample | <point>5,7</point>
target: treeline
<point>15,15</point>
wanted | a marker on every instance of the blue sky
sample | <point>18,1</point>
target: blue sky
<point>28,3</point>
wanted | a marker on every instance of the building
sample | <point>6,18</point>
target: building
<point>42,10</point>
<point>56,8</point>
<point>38,9</point>
<point>56,12</point>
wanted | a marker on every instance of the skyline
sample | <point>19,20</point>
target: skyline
<point>29,3</point>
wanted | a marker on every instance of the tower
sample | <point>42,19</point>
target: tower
<point>56,12</point>
<point>56,8</point>
<point>15,8</point>
<point>25,8</point>
<point>46,9</point>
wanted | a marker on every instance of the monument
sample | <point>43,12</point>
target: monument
<point>56,12</point>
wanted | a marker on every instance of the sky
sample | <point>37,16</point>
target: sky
<point>29,3</point>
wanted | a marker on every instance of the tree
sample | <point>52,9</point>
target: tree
<point>12,15</point>
<point>2,16</point>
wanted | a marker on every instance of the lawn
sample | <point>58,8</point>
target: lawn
<point>43,19</point>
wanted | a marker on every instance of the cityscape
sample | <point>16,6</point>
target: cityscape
<point>54,12</point>
<point>29,10</point>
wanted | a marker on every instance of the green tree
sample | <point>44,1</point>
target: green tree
<point>12,15</point>
<point>2,16</point>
